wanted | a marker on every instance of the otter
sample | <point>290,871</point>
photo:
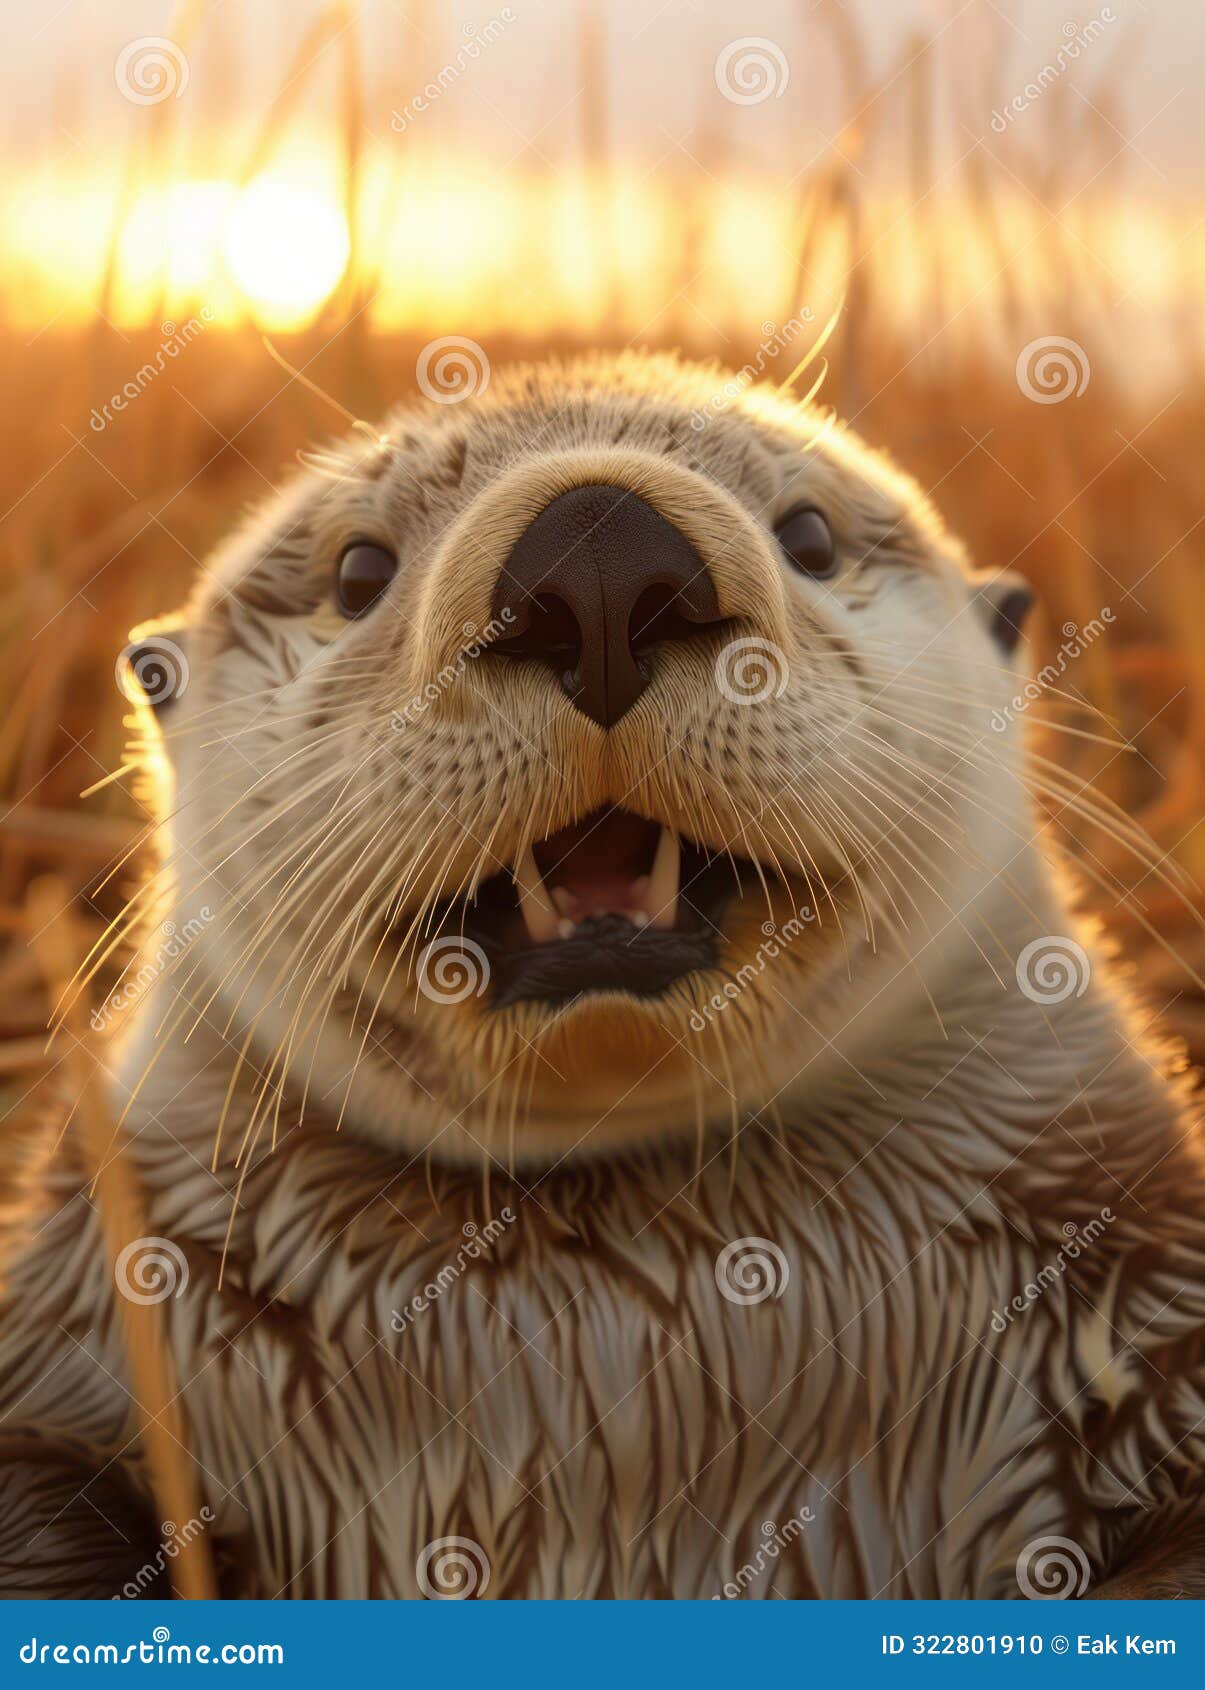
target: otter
<point>630,1110</point>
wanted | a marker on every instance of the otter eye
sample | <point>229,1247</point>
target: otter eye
<point>365,571</point>
<point>807,542</point>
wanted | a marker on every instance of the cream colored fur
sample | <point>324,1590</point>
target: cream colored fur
<point>881,1101</point>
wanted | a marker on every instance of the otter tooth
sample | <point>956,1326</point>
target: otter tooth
<point>539,912</point>
<point>661,897</point>
<point>566,928</point>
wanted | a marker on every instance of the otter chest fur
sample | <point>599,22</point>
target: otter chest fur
<point>754,1372</point>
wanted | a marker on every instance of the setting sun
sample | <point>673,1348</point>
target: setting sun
<point>286,246</point>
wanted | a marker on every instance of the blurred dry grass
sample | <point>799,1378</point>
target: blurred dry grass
<point>1097,500</point>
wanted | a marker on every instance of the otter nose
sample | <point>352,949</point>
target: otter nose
<point>597,579</point>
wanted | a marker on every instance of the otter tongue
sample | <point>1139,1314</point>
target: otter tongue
<point>601,866</point>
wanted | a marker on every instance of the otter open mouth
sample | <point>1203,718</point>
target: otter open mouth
<point>614,903</point>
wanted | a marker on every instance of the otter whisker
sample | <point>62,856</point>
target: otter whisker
<point>1099,878</point>
<point>1081,798</point>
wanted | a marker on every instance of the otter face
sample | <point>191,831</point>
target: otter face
<point>554,762</point>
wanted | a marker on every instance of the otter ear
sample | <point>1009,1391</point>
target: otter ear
<point>1002,599</point>
<point>153,668</point>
